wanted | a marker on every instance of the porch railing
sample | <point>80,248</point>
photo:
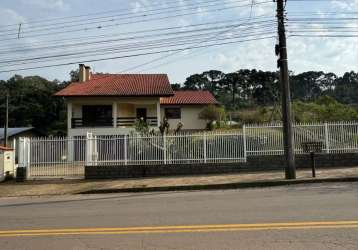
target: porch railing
<point>130,121</point>
<point>99,122</point>
<point>108,122</point>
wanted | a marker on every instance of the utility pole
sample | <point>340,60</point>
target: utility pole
<point>281,50</point>
<point>6,119</point>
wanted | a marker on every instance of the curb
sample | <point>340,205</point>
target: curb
<point>224,186</point>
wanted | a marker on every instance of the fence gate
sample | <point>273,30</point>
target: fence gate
<point>52,157</point>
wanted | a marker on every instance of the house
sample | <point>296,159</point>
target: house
<point>107,104</point>
<point>16,133</point>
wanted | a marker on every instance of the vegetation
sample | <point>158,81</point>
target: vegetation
<point>248,96</point>
<point>252,88</point>
<point>32,103</point>
<point>213,115</point>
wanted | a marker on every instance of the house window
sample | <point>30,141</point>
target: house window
<point>97,115</point>
<point>173,113</point>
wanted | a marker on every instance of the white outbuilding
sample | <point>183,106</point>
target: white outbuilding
<point>7,162</point>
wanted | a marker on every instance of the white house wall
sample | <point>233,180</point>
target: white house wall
<point>189,117</point>
<point>126,106</point>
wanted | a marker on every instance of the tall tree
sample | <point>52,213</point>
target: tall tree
<point>308,86</point>
<point>32,103</point>
<point>346,90</point>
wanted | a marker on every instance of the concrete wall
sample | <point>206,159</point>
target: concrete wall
<point>257,163</point>
<point>189,117</point>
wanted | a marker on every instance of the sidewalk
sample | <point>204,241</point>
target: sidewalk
<point>227,181</point>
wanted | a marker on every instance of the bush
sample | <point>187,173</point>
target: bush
<point>214,116</point>
<point>141,126</point>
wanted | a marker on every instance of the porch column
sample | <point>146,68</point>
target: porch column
<point>69,116</point>
<point>158,114</point>
<point>114,114</point>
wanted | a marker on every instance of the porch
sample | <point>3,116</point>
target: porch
<point>114,116</point>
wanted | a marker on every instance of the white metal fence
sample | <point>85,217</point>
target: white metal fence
<point>66,157</point>
<point>168,149</point>
<point>53,157</point>
<point>340,137</point>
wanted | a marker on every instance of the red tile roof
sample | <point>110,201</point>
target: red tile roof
<point>189,97</point>
<point>120,85</point>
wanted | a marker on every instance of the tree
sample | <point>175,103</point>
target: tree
<point>266,91</point>
<point>208,80</point>
<point>346,90</point>
<point>195,82</point>
<point>308,86</point>
<point>176,86</point>
<point>32,104</point>
<point>212,80</point>
<point>212,114</point>
<point>230,84</point>
<point>74,75</point>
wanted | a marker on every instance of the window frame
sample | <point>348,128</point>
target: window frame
<point>177,111</point>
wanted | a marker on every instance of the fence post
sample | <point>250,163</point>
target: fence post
<point>205,157</point>
<point>28,157</point>
<point>125,150</point>
<point>15,156</point>
<point>89,149</point>
<point>244,141</point>
<point>70,149</point>
<point>165,148</point>
<point>21,152</point>
<point>326,132</point>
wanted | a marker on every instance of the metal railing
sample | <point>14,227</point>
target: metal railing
<point>130,121</point>
<point>337,137</point>
<point>166,150</point>
<point>108,122</point>
<point>58,157</point>
<point>99,122</point>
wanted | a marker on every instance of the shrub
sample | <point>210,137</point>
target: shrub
<point>213,115</point>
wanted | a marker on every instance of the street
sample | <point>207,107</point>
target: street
<point>317,216</point>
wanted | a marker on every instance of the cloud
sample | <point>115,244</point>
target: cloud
<point>345,5</point>
<point>9,16</point>
<point>47,4</point>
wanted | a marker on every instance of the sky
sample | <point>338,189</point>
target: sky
<point>330,54</point>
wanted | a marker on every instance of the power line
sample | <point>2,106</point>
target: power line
<point>133,22</point>
<point>174,31</point>
<point>112,18</point>
<point>172,54</point>
<point>172,43</point>
<point>101,13</point>
<point>172,38</point>
<point>113,35</point>
<point>136,55</point>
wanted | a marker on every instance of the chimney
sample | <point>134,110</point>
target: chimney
<point>87,73</point>
<point>82,73</point>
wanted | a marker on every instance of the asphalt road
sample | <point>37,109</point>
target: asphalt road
<point>321,216</point>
